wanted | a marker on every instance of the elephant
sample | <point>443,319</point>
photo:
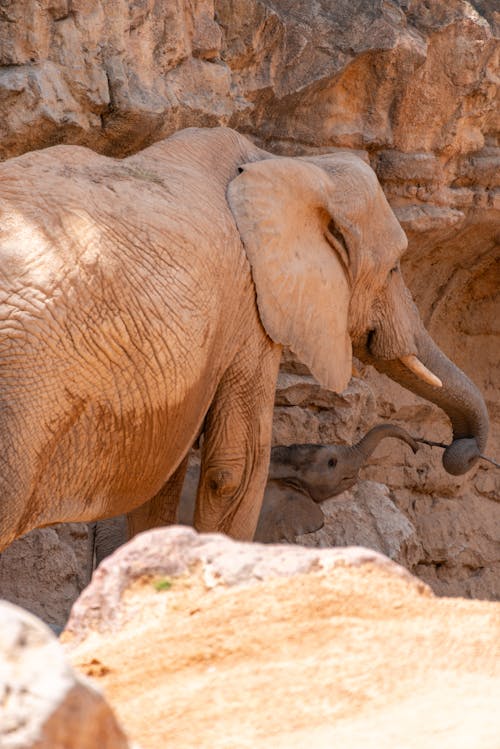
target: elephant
<point>145,299</point>
<point>300,478</point>
<point>105,536</point>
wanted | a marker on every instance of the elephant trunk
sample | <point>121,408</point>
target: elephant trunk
<point>458,397</point>
<point>369,442</point>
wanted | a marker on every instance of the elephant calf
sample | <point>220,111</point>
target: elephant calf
<point>300,477</point>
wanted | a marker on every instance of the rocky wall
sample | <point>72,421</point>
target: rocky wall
<point>413,85</point>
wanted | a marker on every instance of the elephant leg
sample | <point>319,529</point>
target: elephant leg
<point>160,509</point>
<point>286,514</point>
<point>90,562</point>
<point>237,443</point>
<point>109,535</point>
<point>104,537</point>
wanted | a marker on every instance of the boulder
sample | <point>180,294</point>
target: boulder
<point>44,704</point>
<point>200,641</point>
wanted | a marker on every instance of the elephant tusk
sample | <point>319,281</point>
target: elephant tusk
<point>419,369</point>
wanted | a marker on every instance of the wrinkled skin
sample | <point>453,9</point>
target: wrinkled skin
<point>287,512</point>
<point>104,537</point>
<point>145,299</point>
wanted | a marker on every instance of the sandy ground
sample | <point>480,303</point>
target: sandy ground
<point>355,658</point>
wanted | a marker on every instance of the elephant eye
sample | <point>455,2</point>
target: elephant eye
<point>395,269</point>
<point>332,463</point>
<point>335,232</point>
<point>337,241</point>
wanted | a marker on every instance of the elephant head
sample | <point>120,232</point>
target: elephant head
<point>324,471</point>
<point>325,248</point>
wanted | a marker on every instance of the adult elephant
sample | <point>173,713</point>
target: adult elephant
<point>144,299</point>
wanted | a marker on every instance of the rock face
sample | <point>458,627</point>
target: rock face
<point>203,641</point>
<point>412,86</point>
<point>45,571</point>
<point>367,516</point>
<point>44,704</point>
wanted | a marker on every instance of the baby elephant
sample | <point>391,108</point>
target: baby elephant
<point>301,476</point>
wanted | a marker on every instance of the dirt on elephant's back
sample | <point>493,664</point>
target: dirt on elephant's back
<point>352,658</point>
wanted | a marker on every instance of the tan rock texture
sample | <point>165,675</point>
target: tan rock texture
<point>367,516</point>
<point>45,571</point>
<point>200,641</point>
<point>44,704</point>
<point>412,86</point>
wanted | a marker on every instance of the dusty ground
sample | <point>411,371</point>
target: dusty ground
<point>356,657</point>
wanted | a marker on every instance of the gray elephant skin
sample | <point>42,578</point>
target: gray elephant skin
<point>145,299</point>
<point>303,476</point>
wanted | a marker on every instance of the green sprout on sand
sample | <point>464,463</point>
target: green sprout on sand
<point>162,584</point>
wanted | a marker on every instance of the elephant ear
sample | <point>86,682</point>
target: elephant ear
<point>299,263</point>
